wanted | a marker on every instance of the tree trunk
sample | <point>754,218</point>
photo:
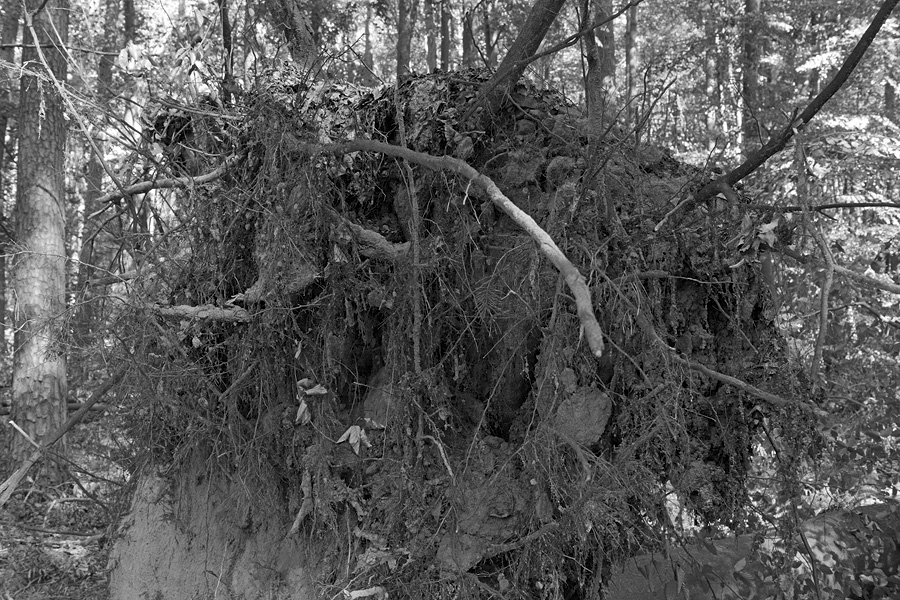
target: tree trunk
<point>632,63</point>
<point>430,36</point>
<point>750,79</point>
<point>406,24</point>
<point>39,366</point>
<point>294,21</point>
<point>814,42</point>
<point>445,35</point>
<point>539,20</point>
<point>367,75</point>
<point>490,37</point>
<point>710,76</point>
<point>468,40</point>
<point>890,100</point>
<point>228,86</point>
<point>11,10</point>
<point>601,59</point>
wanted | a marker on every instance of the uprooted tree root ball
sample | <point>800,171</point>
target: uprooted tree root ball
<point>369,355</point>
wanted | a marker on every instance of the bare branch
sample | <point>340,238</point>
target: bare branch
<point>145,186</point>
<point>743,385</point>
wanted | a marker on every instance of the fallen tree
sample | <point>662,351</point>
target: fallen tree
<point>383,383</point>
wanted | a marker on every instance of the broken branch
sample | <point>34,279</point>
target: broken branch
<point>204,312</point>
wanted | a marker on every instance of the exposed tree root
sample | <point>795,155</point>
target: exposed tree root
<point>574,279</point>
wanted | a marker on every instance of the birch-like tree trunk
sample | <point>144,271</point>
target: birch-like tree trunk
<point>39,363</point>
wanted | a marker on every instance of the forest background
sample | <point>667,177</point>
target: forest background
<point>103,103</point>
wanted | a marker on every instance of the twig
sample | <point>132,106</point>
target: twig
<point>12,482</point>
<point>574,279</point>
<point>22,432</point>
<point>113,279</point>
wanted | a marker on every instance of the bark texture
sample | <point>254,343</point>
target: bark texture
<point>39,364</point>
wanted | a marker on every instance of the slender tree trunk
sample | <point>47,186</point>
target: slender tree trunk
<point>601,59</point>
<point>890,100</point>
<point>39,364</point>
<point>406,24</point>
<point>750,84</point>
<point>632,63</point>
<point>8,34</point>
<point>367,76</point>
<point>490,36</point>
<point>710,76</point>
<point>814,42</point>
<point>526,44</point>
<point>445,35</point>
<point>468,40</point>
<point>430,36</point>
<point>228,86</point>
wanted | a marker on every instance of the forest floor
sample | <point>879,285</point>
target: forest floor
<point>55,540</point>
